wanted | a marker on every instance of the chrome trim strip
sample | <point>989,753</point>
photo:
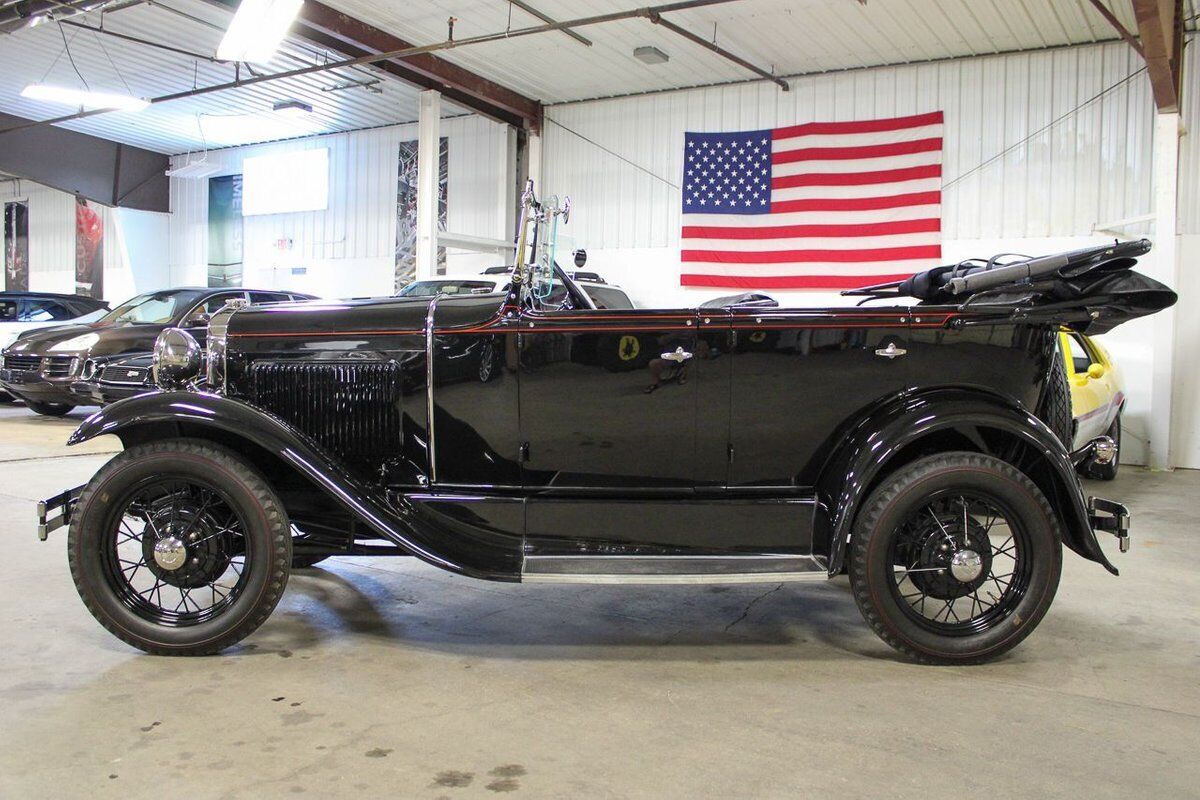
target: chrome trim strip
<point>750,568</point>
<point>429,386</point>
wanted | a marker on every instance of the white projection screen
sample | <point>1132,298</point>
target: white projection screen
<point>281,183</point>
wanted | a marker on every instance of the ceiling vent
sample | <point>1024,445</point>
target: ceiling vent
<point>651,55</point>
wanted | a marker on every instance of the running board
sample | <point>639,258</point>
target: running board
<point>672,569</point>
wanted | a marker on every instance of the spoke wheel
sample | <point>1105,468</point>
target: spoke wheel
<point>179,547</point>
<point>178,552</point>
<point>955,558</point>
<point>958,564</point>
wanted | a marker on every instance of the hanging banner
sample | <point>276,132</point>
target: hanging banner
<point>225,242</point>
<point>89,248</point>
<point>16,247</point>
<point>406,210</point>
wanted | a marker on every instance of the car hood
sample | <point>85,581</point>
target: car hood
<point>94,339</point>
<point>375,316</point>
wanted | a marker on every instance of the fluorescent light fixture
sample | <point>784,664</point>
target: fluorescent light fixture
<point>280,183</point>
<point>293,108</point>
<point>651,55</point>
<point>200,168</point>
<point>257,28</point>
<point>81,97</point>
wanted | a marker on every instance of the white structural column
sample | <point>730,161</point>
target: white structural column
<point>428,167</point>
<point>1166,269</point>
<point>534,167</point>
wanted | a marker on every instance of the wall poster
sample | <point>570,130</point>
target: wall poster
<point>89,248</point>
<point>225,245</point>
<point>16,247</point>
<point>406,210</point>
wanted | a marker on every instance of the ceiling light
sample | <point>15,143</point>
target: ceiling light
<point>293,108</point>
<point>201,168</point>
<point>81,97</point>
<point>651,55</point>
<point>257,28</point>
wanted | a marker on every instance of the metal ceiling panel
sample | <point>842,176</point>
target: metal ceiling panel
<point>238,116</point>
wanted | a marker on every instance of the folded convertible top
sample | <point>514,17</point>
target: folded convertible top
<point>1091,290</point>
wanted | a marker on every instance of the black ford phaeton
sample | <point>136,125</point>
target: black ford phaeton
<point>917,446</point>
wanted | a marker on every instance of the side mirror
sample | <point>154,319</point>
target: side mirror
<point>580,257</point>
<point>1095,371</point>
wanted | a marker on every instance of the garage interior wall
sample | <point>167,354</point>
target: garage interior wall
<point>135,243</point>
<point>349,248</point>
<point>1078,165</point>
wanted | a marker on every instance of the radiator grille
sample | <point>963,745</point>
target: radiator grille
<point>58,366</point>
<point>22,363</point>
<point>351,409</point>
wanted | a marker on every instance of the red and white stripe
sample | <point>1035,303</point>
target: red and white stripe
<point>852,204</point>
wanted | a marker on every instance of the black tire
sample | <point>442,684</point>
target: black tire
<point>49,409</point>
<point>898,502</point>
<point>6,398</point>
<point>1055,408</point>
<point>95,530</point>
<point>1108,472</point>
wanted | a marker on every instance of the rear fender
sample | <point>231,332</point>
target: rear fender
<point>940,419</point>
<point>421,527</point>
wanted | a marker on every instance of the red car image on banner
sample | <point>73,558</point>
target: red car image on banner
<point>89,249</point>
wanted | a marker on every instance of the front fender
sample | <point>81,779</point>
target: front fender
<point>418,528</point>
<point>879,443</point>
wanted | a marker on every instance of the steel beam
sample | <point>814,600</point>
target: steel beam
<point>1120,29</point>
<point>1161,31</point>
<point>721,51</point>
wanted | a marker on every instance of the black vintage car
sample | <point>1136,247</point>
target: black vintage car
<point>43,367</point>
<point>918,447</point>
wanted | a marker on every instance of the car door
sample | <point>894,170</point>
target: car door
<point>608,413</point>
<point>1091,395</point>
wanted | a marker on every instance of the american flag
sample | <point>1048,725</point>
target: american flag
<point>824,205</point>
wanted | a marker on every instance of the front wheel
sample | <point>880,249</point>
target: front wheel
<point>179,548</point>
<point>49,409</point>
<point>955,558</point>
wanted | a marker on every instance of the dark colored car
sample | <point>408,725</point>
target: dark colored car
<point>22,313</point>
<point>43,367</point>
<point>918,447</point>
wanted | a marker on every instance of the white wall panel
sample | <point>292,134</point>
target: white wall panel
<point>620,159</point>
<point>135,243</point>
<point>348,248</point>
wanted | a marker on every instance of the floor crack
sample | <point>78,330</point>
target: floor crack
<point>752,604</point>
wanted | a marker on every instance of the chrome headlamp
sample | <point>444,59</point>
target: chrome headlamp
<point>177,358</point>
<point>218,341</point>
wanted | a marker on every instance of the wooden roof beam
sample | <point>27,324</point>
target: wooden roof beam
<point>1160,28</point>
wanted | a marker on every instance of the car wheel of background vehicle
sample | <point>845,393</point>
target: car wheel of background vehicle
<point>1055,409</point>
<point>955,558</point>
<point>1108,472</point>
<point>49,409</point>
<point>487,362</point>
<point>179,547</point>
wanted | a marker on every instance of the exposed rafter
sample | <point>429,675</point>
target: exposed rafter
<point>1160,28</point>
<point>1120,29</point>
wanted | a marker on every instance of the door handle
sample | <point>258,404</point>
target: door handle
<point>891,351</point>
<point>679,356</point>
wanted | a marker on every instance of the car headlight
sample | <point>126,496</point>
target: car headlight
<point>177,358</point>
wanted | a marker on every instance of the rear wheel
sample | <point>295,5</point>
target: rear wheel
<point>955,558</point>
<point>179,548</point>
<point>49,409</point>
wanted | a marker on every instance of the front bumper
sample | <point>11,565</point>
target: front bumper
<point>55,512</point>
<point>33,386</point>
<point>1110,517</point>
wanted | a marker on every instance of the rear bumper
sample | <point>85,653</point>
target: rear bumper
<point>55,512</point>
<point>1110,517</point>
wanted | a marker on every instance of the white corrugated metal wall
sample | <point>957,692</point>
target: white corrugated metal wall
<point>347,249</point>
<point>621,159</point>
<point>135,243</point>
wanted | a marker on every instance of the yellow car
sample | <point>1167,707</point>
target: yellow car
<point>1097,398</point>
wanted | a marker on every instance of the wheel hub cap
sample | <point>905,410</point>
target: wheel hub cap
<point>966,565</point>
<point>170,553</point>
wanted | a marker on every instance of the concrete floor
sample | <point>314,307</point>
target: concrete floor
<point>386,678</point>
